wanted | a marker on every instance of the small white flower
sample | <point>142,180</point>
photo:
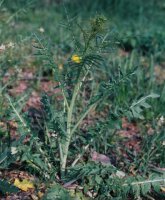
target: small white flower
<point>41,29</point>
<point>10,45</point>
<point>13,150</point>
<point>54,135</point>
<point>120,174</point>
<point>47,175</point>
<point>2,47</point>
<point>162,119</point>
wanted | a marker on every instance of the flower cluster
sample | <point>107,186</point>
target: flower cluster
<point>3,47</point>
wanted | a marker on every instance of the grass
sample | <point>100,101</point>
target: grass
<point>82,99</point>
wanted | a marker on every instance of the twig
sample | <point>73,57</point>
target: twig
<point>144,182</point>
<point>18,115</point>
<point>80,155</point>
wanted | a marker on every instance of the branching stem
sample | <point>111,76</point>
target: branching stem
<point>64,147</point>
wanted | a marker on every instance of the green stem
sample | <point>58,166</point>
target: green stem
<point>82,117</point>
<point>64,96</point>
<point>16,112</point>
<point>65,146</point>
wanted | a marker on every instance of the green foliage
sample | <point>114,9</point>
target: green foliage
<point>105,183</point>
<point>57,192</point>
<point>92,85</point>
<point>136,107</point>
<point>6,187</point>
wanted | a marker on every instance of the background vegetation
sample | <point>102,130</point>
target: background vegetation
<point>82,98</point>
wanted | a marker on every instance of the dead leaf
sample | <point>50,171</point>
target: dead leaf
<point>19,89</point>
<point>163,189</point>
<point>24,185</point>
<point>40,194</point>
<point>97,157</point>
<point>34,101</point>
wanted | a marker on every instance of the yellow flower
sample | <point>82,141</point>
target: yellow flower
<point>23,185</point>
<point>75,58</point>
